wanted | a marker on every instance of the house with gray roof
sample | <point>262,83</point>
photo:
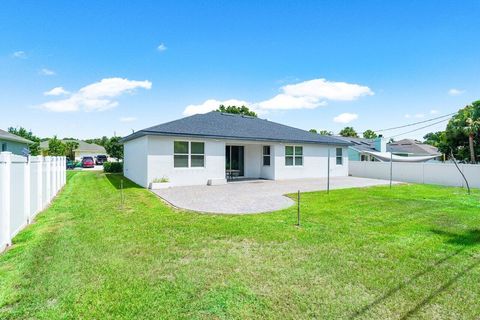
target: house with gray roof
<point>379,150</point>
<point>216,147</point>
<point>13,143</point>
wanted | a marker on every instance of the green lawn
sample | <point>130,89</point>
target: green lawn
<point>373,253</point>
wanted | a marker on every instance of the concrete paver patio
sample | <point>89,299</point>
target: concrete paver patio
<point>253,196</point>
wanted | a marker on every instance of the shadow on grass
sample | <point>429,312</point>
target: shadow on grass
<point>465,240</point>
<point>116,179</point>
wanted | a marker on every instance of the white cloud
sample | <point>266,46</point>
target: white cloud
<point>329,90</point>
<point>212,104</point>
<point>161,47</point>
<point>285,102</point>
<point>127,119</point>
<point>433,111</point>
<point>455,92</point>
<point>345,117</point>
<point>57,91</point>
<point>46,72</point>
<point>19,54</point>
<point>97,96</point>
<point>309,94</point>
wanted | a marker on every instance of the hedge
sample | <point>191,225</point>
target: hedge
<point>113,167</point>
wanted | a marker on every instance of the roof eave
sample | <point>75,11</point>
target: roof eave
<point>157,133</point>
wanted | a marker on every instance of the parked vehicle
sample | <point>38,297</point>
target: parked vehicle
<point>70,164</point>
<point>87,162</point>
<point>100,159</point>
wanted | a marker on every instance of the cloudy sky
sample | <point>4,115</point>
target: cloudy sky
<point>93,68</point>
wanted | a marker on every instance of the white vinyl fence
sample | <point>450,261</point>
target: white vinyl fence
<point>27,185</point>
<point>429,173</point>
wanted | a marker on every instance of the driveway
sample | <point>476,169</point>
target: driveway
<point>253,196</point>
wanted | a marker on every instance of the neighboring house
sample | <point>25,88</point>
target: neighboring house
<point>13,143</point>
<point>84,149</point>
<point>412,148</point>
<point>207,148</point>
<point>379,150</point>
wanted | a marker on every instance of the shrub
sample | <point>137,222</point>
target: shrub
<point>113,167</point>
<point>161,180</point>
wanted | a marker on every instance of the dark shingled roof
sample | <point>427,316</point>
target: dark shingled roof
<point>236,127</point>
<point>360,144</point>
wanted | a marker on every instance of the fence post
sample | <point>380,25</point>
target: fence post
<point>47,181</point>
<point>52,178</point>
<point>59,169</point>
<point>64,171</point>
<point>40,190</point>
<point>5,208</point>
<point>26,189</point>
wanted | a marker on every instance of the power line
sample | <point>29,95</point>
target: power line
<point>430,125</point>
<point>415,123</point>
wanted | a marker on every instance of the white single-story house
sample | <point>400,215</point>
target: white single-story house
<point>213,147</point>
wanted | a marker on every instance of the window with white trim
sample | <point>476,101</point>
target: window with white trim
<point>339,156</point>
<point>293,156</point>
<point>188,154</point>
<point>4,146</point>
<point>266,155</point>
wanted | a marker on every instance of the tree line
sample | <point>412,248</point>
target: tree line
<point>67,146</point>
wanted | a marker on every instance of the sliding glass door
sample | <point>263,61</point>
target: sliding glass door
<point>234,159</point>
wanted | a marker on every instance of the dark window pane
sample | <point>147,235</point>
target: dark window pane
<point>180,147</point>
<point>266,160</point>
<point>198,148</point>
<point>198,161</point>
<point>298,151</point>
<point>289,161</point>
<point>180,161</point>
<point>266,150</point>
<point>339,152</point>
<point>299,161</point>
<point>289,150</point>
<point>339,160</point>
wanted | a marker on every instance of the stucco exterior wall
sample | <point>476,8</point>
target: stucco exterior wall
<point>135,161</point>
<point>315,163</point>
<point>160,162</point>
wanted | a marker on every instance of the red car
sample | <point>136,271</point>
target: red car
<point>87,162</point>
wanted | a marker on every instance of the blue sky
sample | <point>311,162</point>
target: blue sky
<point>118,66</point>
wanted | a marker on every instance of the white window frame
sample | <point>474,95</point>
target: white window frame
<point>294,155</point>
<point>269,155</point>
<point>339,156</point>
<point>189,155</point>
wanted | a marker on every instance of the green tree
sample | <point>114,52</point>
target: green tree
<point>56,147</point>
<point>313,130</point>
<point>325,133</point>
<point>24,133</point>
<point>463,132</point>
<point>100,141</point>
<point>369,134</point>
<point>237,110</point>
<point>114,148</point>
<point>70,147</point>
<point>349,132</point>
<point>439,140</point>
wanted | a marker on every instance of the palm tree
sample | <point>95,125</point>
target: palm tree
<point>472,128</point>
